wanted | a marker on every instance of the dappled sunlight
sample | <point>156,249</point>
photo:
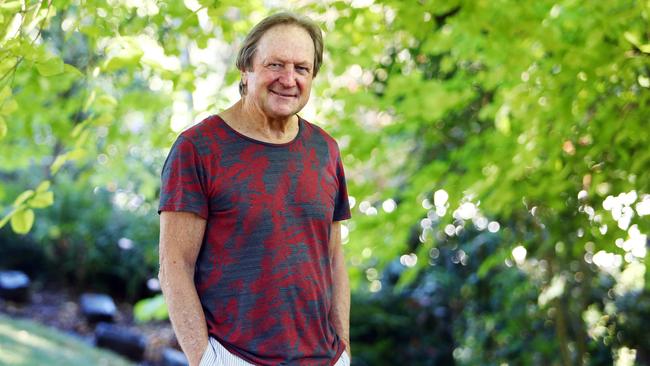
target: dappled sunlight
<point>26,343</point>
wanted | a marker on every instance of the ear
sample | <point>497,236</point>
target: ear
<point>244,77</point>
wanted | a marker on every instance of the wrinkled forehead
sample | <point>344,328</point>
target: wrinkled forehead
<point>287,43</point>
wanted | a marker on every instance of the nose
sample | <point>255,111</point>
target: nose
<point>287,77</point>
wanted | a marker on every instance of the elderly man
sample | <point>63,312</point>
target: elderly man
<point>251,263</point>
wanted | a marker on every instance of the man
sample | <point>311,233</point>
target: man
<point>251,263</point>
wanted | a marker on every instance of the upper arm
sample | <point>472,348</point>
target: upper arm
<point>181,236</point>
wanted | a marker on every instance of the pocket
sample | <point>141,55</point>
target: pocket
<point>208,357</point>
<point>346,358</point>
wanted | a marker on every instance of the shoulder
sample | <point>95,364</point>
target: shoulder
<point>319,133</point>
<point>204,136</point>
<point>205,127</point>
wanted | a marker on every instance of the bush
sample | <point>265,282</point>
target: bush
<point>91,240</point>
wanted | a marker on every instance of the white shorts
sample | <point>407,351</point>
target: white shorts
<point>217,355</point>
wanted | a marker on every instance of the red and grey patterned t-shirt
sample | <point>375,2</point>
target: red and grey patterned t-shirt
<point>263,273</point>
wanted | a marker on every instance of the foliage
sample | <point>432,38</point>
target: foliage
<point>153,308</point>
<point>89,239</point>
<point>528,120</point>
<point>496,153</point>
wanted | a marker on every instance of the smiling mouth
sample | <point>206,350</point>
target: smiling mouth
<point>284,95</point>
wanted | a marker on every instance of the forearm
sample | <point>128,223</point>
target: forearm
<point>185,311</point>
<point>340,313</point>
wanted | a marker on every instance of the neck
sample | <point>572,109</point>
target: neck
<point>257,120</point>
<point>252,122</point>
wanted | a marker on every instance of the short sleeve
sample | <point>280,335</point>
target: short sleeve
<point>184,182</point>
<point>341,204</point>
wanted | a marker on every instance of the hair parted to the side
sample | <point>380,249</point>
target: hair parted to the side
<point>247,52</point>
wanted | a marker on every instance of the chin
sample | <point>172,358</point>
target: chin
<point>283,112</point>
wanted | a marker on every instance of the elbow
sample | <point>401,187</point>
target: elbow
<point>161,274</point>
<point>171,269</point>
<point>162,278</point>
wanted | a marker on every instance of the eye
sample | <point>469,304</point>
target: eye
<point>274,66</point>
<point>303,69</point>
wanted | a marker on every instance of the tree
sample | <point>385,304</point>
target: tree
<point>496,152</point>
<point>532,117</point>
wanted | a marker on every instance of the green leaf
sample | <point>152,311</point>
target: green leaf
<point>3,128</point>
<point>632,38</point>
<point>90,100</point>
<point>58,163</point>
<point>77,154</point>
<point>9,107</point>
<point>78,128</point>
<point>10,6</point>
<point>42,200</point>
<point>103,120</point>
<point>22,221</point>
<point>126,52</point>
<point>69,69</point>
<point>23,197</point>
<point>106,100</point>
<point>5,93</point>
<point>153,308</point>
<point>81,140</point>
<point>502,120</point>
<point>50,67</point>
<point>645,48</point>
<point>44,186</point>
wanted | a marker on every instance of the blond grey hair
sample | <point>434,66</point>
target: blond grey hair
<point>247,52</point>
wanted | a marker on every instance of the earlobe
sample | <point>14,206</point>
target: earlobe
<point>243,83</point>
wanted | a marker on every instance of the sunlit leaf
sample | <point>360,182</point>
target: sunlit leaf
<point>50,67</point>
<point>106,100</point>
<point>89,101</point>
<point>23,197</point>
<point>22,221</point>
<point>8,107</point>
<point>3,128</point>
<point>153,308</point>
<point>645,48</point>
<point>5,92</point>
<point>58,163</point>
<point>77,154</point>
<point>10,6</point>
<point>69,69</point>
<point>125,52</point>
<point>42,200</point>
<point>44,186</point>
<point>633,38</point>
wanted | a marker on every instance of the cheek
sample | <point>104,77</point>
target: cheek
<point>305,86</point>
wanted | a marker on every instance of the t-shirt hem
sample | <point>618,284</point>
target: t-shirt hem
<point>184,208</point>
<point>233,350</point>
<point>341,218</point>
<point>339,353</point>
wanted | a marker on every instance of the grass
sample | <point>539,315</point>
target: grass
<point>25,343</point>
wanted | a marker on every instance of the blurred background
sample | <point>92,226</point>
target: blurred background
<point>496,154</point>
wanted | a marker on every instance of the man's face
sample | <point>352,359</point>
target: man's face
<point>280,82</point>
